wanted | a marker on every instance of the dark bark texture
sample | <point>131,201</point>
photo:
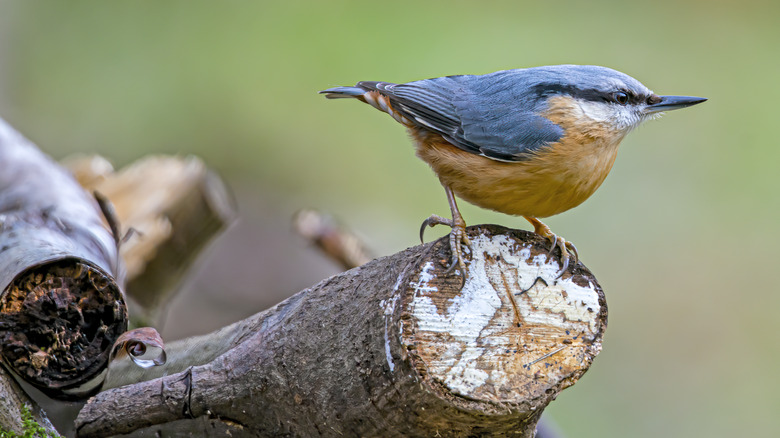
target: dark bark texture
<point>393,348</point>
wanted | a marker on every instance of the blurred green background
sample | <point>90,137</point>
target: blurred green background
<point>682,235</point>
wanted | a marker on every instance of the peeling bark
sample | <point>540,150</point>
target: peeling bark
<point>392,348</point>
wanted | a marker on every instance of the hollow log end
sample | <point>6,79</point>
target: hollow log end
<point>473,345</point>
<point>59,321</point>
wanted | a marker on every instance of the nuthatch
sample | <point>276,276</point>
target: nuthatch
<point>531,142</point>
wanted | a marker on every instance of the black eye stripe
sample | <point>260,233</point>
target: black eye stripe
<point>593,95</point>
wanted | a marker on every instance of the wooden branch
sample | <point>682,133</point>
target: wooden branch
<point>61,306</point>
<point>392,348</point>
<point>337,242</point>
<point>174,205</point>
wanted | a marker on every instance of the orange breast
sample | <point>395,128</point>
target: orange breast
<point>556,178</point>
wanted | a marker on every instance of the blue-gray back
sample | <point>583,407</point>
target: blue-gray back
<point>498,114</point>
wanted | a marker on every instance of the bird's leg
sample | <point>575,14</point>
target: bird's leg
<point>458,235</point>
<point>565,247</point>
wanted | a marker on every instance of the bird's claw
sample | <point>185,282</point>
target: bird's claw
<point>458,239</point>
<point>568,252</point>
<point>432,222</point>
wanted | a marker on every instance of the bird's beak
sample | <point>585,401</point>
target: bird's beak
<point>668,103</point>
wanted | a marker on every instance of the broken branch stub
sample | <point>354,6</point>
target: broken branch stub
<point>392,348</point>
<point>169,208</point>
<point>61,307</point>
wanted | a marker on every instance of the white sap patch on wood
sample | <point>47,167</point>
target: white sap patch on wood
<point>388,307</point>
<point>471,342</point>
<point>466,317</point>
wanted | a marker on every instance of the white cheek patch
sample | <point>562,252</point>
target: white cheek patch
<point>620,117</point>
<point>598,111</point>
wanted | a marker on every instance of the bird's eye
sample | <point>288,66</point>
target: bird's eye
<point>620,97</point>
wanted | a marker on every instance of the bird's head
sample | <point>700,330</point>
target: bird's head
<point>601,96</point>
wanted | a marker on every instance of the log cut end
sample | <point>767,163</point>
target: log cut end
<point>59,321</point>
<point>474,343</point>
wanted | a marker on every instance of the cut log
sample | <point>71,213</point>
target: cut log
<point>61,307</point>
<point>392,348</point>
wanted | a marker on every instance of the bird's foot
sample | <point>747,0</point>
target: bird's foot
<point>458,240</point>
<point>568,250</point>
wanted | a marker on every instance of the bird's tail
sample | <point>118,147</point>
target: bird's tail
<point>376,94</point>
<point>343,92</point>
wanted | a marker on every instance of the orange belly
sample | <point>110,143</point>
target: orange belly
<point>558,177</point>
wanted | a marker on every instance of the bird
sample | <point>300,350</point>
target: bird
<point>531,142</point>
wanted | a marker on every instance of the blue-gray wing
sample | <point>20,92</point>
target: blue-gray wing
<point>485,115</point>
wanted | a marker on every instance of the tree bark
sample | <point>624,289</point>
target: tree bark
<point>12,399</point>
<point>392,348</point>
